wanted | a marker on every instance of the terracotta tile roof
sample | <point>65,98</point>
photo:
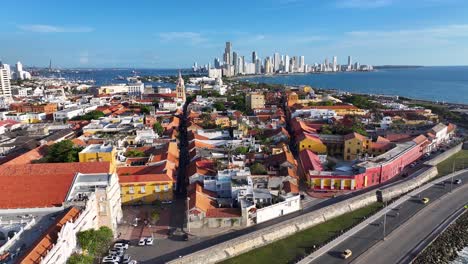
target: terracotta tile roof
<point>310,160</point>
<point>451,127</point>
<point>47,241</point>
<point>79,142</point>
<point>201,198</point>
<point>144,178</point>
<point>420,139</point>
<point>398,137</point>
<point>41,185</point>
<point>223,213</point>
<point>142,160</point>
<point>141,170</point>
<point>29,156</point>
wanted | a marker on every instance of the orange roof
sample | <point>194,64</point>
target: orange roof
<point>140,170</point>
<point>144,178</point>
<point>79,142</point>
<point>420,139</point>
<point>47,241</point>
<point>29,156</point>
<point>201,199</point>
<point>41,185</point>
<point>333,107</point>
<point>223,213</point>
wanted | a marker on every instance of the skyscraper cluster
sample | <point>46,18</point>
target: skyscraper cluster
<point>237,64</point>
<point>234,64</point>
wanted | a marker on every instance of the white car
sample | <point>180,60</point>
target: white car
<point>121,245</point>
<point>149,241</point>
<point>142,241</point>
<point>111,258</point>
<point>133,261</point>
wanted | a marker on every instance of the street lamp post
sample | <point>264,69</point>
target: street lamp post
<point>188,219</point>
<point>384,220</point>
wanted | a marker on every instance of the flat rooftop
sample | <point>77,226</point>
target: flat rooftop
<point>388,156</point>
<point>95,148</point>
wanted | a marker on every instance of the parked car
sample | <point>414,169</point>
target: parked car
<point>149,241</point>
<point>425,200</point>
<point>167,202</point>
<point>185,237</point>
<point>110,262</point>
<point>346,254</point>
<point>121,245</point>
<point>126,259</point>
<point>457,181</point>
<point>111,258</point>
<point>117,253</point>
<point>142,241</point>
<point>133,261</point>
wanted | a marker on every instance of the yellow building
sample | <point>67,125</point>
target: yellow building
<point>97,152</point>
<point>357,145</point>
<point>255,100</point>
<point>137,187</point>
<point>313,143</point>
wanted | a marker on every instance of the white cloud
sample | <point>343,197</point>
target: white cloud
<point>363,3</point>
<point>39,28</point>
<point>191,37</point>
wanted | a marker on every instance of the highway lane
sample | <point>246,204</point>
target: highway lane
<point>374,233</point>
<point>163,253</point>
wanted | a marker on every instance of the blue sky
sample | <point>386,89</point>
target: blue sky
<point>174,34</point>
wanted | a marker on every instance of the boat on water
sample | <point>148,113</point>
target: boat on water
<point>120,78</point>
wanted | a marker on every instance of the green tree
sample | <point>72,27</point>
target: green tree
<point>134,153</point>
<point>90,116</point>
<point>258,169</point>
<point>154,217</point>
<point>242,150</point>
<point>95,242</point>
<point>80,259</point>
<point>63,151</point>
<point>219,106</point>
<point>158,128</point>
<point>144,109</point>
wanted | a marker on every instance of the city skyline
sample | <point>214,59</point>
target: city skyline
<point>170,35</point>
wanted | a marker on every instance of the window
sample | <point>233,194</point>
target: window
<point>349,157</point>
<point>358,151</point>
<point>142,189</point>
<point>131,190</point>
<point>166,187</point>
<point>156,188</point>
<point>349,150</point>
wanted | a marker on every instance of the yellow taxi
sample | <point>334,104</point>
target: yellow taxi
<point>425,200</point>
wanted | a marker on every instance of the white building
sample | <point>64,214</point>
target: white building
<point>5,86</point>
<point>315,113</point>
<point>164,90</point>
<point>215,73</point>
<point>67,114</point>
<point>136,89</point>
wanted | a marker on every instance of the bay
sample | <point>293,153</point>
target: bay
<point>443,84</point>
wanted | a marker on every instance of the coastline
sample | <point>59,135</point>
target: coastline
<point>448,246</point>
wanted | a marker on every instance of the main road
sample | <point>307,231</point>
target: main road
<point>405,226</point>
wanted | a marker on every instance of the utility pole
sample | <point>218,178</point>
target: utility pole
<point>188,219</point>
<point>384,220</point>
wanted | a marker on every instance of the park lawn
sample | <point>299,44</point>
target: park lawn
<point>289,249</point>
<point>461,161</point>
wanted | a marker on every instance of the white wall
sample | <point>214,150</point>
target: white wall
<point>290,205</point>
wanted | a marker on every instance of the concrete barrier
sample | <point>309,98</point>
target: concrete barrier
<point>443,156</point>
<point>279,231</point>
<point>275,232</point>
<point>397,190</point>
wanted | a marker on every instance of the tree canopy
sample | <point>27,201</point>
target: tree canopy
<point>158,128</point>
<point>90,116</point>
<point>63,151</point>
